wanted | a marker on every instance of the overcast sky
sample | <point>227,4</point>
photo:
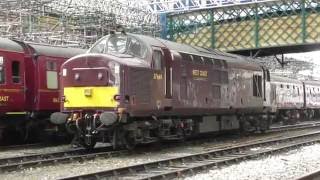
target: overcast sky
<point>313,56</point>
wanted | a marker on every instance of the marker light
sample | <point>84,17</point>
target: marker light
<point>116,97</point>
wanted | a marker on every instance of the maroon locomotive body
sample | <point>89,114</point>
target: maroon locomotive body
<point>29,87</point>
<point>131,89</point>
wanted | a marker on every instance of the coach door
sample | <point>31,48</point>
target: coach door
<point>161,64</point>
<point>12,94</point>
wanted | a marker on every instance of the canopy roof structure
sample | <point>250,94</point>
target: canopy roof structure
<point>76,23</point>
<point>173,6</point>
<point>80,23</point>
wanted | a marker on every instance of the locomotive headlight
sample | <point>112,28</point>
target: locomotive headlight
<point>77,76</point>
<point>100,76</point>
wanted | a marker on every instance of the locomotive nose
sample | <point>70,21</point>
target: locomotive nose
<point>90,83</point>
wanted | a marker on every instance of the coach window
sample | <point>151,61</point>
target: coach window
<point>15,70</point>
<point>197,59</point>
<point>52,75</point>
<point>217,63</point>
<point>186,57</point>
<point>2,71</point>
<point>208,61</point>
<point>157,60</point>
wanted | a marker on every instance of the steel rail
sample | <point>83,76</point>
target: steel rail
<point>294,127</point>
<point>80,154</point>
<point>22,146</point>
<point>186,165</point>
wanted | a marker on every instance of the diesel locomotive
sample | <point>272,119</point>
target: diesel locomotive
<point>130,89</point>
<point>29,87</point>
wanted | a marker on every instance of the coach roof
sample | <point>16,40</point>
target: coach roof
<point>56,51</point>
<point>7,44</point>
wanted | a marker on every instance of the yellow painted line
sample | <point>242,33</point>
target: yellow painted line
<point>48,90</point>
<point>11,90</point>
<point>13,113</point>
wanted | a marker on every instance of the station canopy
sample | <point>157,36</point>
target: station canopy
<point>74,22</point>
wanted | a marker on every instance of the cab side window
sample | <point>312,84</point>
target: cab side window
<point>15,70</point>
<point>52,75</point>
<point>257,86</point>
<point>157,60</point>
<point>99,47</point>
<point>2,71</point>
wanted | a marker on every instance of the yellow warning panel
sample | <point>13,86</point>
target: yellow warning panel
<point>90,97</point>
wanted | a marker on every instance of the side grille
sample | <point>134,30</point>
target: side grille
<point>140,84</point>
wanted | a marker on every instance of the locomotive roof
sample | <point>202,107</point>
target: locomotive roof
<point>232,59</point>
<point>56,51</point>
<point>10,45</point>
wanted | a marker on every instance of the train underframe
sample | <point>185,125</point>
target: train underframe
<point>126,131</point>
<point>293,116</point>
<point>27,128</point>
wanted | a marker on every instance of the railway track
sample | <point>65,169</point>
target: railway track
<point>190,164</point>
<point>40,145</point>
<point>23,146</point>
<point>294,127</point>
<point>22,162</point>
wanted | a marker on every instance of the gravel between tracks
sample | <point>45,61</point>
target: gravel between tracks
<point>285,166</point>
<point>65,170</point>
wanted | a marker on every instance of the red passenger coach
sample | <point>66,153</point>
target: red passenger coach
<point>29,87</point>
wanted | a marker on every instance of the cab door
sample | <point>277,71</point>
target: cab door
<point>162,78</point>
<point>12,96</point>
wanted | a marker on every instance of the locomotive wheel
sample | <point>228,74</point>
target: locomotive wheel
<point>1,135</point>
<point>245,126</point>
<point>129,140</point>
<point>71,127</point>
<point>88,142</point>
<point>120,138</point>
<point>114,134</point>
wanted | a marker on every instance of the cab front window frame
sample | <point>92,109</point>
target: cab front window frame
<point>121,44</point>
